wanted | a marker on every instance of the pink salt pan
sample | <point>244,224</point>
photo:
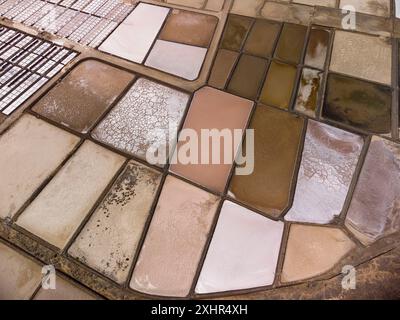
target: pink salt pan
<point>212,109</point>
<point>243,253</point>
<point>175,241</point>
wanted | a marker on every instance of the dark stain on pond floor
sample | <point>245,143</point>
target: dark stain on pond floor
<point>235,32</point>
<point>358,103</point>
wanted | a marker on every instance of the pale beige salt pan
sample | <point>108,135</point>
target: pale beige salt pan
<point>312,251</point>
<point>29,153</point>
<point>19,276</point>
<point>178,59</point>
<point>109,241</point>
<point>362,56</point>
<point>61,207</point>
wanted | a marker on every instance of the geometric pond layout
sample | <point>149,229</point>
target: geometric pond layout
<point>142,34</point>
<point>99,100</point>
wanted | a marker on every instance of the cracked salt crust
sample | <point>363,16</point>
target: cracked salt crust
<point>143,118</point>
<point>329,161</point>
